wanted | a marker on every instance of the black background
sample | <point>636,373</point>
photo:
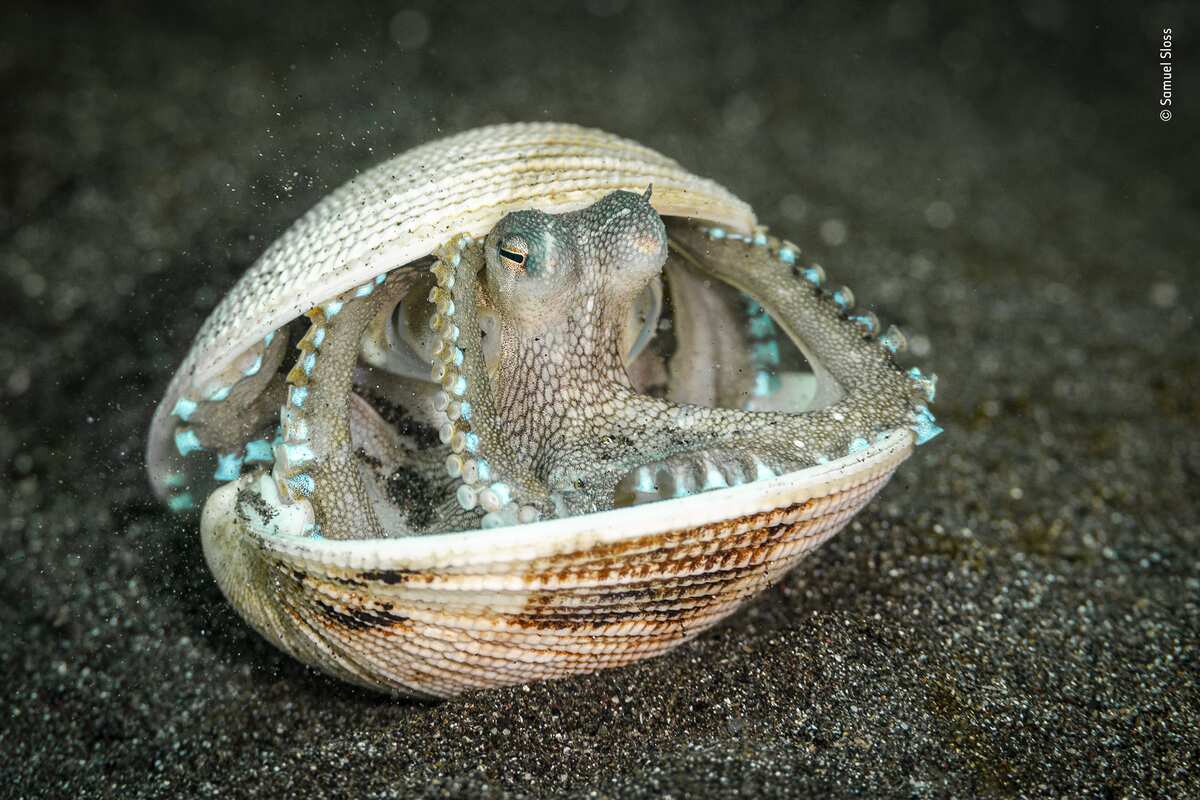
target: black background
<point>1018,610</point>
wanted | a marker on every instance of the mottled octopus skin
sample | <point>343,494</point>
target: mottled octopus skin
<point>557,420</point>
<point>566,345</point>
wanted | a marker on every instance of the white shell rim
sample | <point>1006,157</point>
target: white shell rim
<point>575,534</point>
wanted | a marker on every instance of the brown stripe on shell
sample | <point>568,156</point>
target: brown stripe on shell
<point>442,632</point>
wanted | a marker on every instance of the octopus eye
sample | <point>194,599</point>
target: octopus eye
<point>513,253</point>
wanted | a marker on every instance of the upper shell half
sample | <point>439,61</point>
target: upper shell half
<point>406,207</point>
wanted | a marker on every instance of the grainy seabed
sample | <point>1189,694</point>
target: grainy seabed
<point>1017,613</point>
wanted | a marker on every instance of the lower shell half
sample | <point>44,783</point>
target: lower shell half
<point>439,615</point>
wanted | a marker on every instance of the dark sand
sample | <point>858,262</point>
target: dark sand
<point>1016,614</point>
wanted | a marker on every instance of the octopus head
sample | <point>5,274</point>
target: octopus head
<point>544,268</point>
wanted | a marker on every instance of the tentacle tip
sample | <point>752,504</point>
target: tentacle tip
<point>894,340</point>
<point>766,384</point>
<point>187,442</point>
<point>180,503</point>
<point>483,469</point>
<point>867,323</point>
<point>293,425</point>
<point>229,466</point>
<point>259,451</point>
<point>297,395</point>
<point>184,408</point>
<point>467,497</point>
<point>843,298</point>
<point>925,425</point>
<point>925,384</point>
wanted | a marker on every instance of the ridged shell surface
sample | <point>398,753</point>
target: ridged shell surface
<point>436,616</point>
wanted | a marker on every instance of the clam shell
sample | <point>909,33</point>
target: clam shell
<point>435,616</point>
<point>438,615</point>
